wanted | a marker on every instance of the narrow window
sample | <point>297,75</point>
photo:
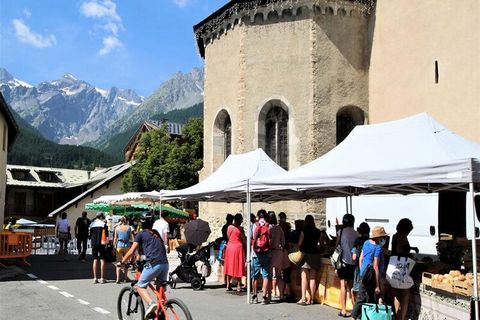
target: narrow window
<point>227,140</point>
<point>276,136</point>
<point>436,71</point>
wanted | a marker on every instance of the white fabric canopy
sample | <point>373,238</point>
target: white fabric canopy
<point>415,154</point>
<point>229,182</point>
<point>129,196</point>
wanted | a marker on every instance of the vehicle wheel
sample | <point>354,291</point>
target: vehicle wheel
<point>176,309</point>
<point>173,282</point>
<point>196,283</point>
<point>130,305</point>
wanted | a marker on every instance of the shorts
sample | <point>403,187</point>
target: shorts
<point>99,252</point>
<point>347,272</point>
<point>261,265</point>
<point>120,253</point>
<point>149,273</point>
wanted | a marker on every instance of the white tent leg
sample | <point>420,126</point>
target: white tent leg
<point>249,237</point>
<point>474,253</point>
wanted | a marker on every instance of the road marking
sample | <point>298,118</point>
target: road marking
<point>83,302</point>
<point>42,282</point>
<point>100,310</point>
<point>53,287</point>
<point>66,294</point>
<point>32,276</point>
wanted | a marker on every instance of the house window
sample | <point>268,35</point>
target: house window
<point>20,175</point>
<point>48,176</point>
<point>19,202</point>
<point>347,119</point>
<point>274,128</point>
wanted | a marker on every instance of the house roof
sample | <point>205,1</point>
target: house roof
<point>66,178</point>
<point>12,125</point>
<point>104,177</point>
<point>173,129</point>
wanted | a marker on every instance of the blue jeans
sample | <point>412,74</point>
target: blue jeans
<point>150,272</point>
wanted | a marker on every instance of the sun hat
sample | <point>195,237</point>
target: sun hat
<point>378,232</point>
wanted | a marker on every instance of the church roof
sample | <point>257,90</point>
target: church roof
<point>234,7</point>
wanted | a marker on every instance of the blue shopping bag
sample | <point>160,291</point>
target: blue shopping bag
<point>221,251</point>
<point>371,311</point>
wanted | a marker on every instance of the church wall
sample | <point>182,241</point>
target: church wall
<point>409,36</point>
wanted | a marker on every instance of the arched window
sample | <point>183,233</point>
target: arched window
<point>222,136</point>
<point>273,133</point>
<point>347,119</point>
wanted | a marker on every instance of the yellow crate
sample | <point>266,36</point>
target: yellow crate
<point>427,279</point>
<point>463,288</point>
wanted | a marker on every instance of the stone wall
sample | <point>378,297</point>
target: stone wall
<point>310,59</point>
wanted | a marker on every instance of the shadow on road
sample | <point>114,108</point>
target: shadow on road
<point>53,267</point>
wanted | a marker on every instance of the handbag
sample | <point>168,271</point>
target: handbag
<point>104,238</point>
<point>398,272</point>
<point>336,257</point>
<point>296,257</point>
<point>372,311</point>
<point>221,250</point>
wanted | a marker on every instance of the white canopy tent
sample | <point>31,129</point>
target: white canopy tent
<point>128,197</point>
<point>230,183</point>
<point>412,155</point>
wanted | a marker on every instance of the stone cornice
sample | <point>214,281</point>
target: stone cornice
<point>236,12</point>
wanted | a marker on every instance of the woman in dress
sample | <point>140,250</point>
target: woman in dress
<point>308,243</point>
<point>234,264</point>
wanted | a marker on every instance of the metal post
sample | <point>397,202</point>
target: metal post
<point>249,237</point>
<point>474,252</point>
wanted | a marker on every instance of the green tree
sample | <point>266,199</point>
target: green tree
<point>163,163</point>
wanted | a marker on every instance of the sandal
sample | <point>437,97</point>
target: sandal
<point>344,315</point>
<point>302,302</point>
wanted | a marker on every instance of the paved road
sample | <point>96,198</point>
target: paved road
<point>55,289</point>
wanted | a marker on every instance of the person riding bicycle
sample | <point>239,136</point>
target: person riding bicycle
<point>149,243</point>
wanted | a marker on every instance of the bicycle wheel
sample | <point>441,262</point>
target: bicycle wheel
<point>130,305</point>
<point>177,310</point>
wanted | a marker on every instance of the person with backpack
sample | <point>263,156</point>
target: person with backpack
<point>261,256</point>
<point>308,243</point>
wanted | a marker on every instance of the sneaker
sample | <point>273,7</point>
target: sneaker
<point>254,299</point>
<point>265,300</point>
<point>152,307</point>
<point>95,280</point>
<point>103,280</point>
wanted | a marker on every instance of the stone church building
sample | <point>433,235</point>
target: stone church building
<point>295,76</point>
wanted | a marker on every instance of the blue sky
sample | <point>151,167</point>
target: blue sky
<point>133,44</point>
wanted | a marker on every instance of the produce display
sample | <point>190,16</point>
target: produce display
<point>454,281</point>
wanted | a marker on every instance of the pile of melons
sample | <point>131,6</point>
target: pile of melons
<point>453,275</point>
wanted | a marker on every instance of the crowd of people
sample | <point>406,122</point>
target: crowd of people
<point>361,274</point>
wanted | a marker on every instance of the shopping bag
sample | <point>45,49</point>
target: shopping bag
<point>398,272</point>
<point>372,311</point>
<point>104,239</point>
<point>336,258</point>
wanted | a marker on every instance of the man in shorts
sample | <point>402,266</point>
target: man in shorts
<point>97,227</point>
<point>149,243</point>
<point>260,260</point>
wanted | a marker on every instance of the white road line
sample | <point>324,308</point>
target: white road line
<point>100,310</point>
<point>32,276</point>
<point>83,302</point>
<point>42,282</point>
<point>53,287</point>
<point>66,294</point>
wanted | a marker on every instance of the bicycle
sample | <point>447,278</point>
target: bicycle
<point>130,304</point>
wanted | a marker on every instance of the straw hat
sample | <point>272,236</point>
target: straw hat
<point>378,232</point>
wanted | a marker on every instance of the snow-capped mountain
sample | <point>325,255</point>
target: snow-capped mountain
<point>68,110</point>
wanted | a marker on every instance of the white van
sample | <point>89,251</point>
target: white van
<point>431,214</point>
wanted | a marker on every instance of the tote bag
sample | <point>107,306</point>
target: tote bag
<point>372,311</point>
<point>336,257</point>
<point>398,272</point>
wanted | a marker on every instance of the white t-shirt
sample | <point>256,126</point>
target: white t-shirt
<point>162,227</point>
<point>63,225</point>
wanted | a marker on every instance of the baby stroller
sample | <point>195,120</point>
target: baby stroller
<point>194,266</point>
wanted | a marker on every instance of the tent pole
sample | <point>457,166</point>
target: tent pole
<point>351,204</point>
<point>346,203</point>
<point>474,253</point>
<point>249,237</point>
